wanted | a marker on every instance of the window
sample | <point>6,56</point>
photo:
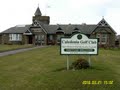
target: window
<point>15,37</point>
<point>59,36</point>
<point>10,37</point>
<point>39,39</point>
<point>50,37</point>
<point>42,37</point>
<point>98,36</point>
<point>102,38</point>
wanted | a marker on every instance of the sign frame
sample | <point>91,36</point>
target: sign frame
<point>71,37</point>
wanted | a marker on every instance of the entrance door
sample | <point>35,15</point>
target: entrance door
<point>40,39</point>
<point>30,39</point>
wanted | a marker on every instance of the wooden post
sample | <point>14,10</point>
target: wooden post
<point>89,60</point>
<point>67,62</point>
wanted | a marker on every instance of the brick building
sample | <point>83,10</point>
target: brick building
<point>41,32</point>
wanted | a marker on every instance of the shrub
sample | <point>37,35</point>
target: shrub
<point>80,63</point>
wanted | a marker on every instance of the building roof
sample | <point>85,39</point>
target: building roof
<point>38,12</point>
<point>17,29</point>
<point>70,28</point>
<point>118,36</point>
<point>53,29</point>
<point>103,23</point>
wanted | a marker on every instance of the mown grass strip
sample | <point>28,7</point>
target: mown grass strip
<point>45,69</point>
<point>4,48</point>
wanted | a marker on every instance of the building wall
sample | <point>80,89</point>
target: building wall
<point>119,42</point>
<point>109,32</point>
<point>5,38</point>
<point>24,39</point>
<point>0,39</point>
<point>43,19</point>
<point>112,39</point>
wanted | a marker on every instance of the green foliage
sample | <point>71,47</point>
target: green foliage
<point>80,63</point>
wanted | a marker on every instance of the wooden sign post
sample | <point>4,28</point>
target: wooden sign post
<point>78,44</point>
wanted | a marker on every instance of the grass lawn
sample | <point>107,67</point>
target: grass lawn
<point>12,47</point>
<point>44,69</point>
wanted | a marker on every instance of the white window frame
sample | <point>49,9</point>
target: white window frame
<point>102,39</point>
<point>51,37</point>
<point>40,39</point>
<point>59,37</point>
<point>15,37</point>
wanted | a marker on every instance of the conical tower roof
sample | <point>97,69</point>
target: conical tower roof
<point>38,12</point>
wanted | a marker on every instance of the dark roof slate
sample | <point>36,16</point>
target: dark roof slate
<point>68,29</point>
<point>17,29</point>
<point>52,29</point>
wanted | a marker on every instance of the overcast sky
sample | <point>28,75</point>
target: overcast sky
<point>17,12</point>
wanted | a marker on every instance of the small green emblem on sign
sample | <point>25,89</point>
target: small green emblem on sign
<point>79,36</point>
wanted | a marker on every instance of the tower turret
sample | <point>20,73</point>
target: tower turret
<point>38,12</point>
<point>38,17</point>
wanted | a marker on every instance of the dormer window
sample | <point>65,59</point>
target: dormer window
<point>59,28</point>
<point>28,32</point>
<point>76,29</point>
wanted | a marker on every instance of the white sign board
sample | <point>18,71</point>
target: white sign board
<point>79,44</point>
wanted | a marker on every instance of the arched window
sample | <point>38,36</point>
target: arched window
<point>76,30</point>
<point>59,28</point>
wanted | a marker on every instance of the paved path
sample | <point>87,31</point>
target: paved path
<point>17,51</point>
